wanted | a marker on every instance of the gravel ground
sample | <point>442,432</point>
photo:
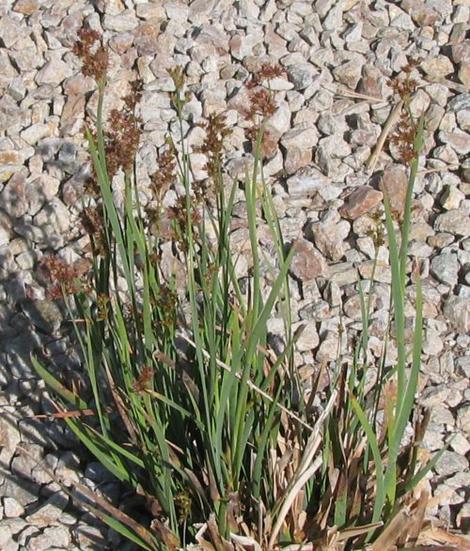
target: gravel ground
<point>322,139</point>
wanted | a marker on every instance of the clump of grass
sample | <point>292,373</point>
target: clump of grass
<point>191,405</point>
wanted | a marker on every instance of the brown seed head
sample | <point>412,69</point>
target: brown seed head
<point>144,379</point>
<point>63,278</point>
<point>261,103</point>
<point>93,54</point>
<point>133,98</point>
<point>92,222</point>
<point>165,175</point>
<point>213,144</point>
<point>404,138</point>
<point>122,141</point>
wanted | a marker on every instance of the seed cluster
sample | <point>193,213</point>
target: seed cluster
<point>405,133</point>
<point>121,141</point>
<point>405,86</point>
<point>165,175</point>
<point>404,138</point>
<point>63,278</point>
<point>92,222</point>
<point>262,104</point>
<point>213,144</point>
<point>144,379</point>
<point>93,54</point>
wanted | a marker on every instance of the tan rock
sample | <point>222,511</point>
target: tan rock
<point>154,11</point>
<point>422,14</point>
<point>38,132</point>
<point>307,263</point>
<point>464,74</point>
<point>301,137</point>
<point>458,140</point>
<point>10,157</point>
<point>395,184</point>
<point>296,159</point>
<point>349,73</point>
<point>438,67</point>
<point>329,237</point>
<point>26,7</point>
<point>461,51</point>
<point>78,84</point>
<point>457,311</point>
<point>370,81</point>
<point>146,38</point>
<point>361,200</point>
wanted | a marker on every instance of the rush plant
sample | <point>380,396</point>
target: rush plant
<point>187,402</point>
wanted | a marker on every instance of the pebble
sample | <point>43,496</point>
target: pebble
<point>454,221</point>
<point>11,508</point>
<point>53,72</point>
<point>306,182</point>
<point>445,268</point>
<point>307,263</point>
<point>458,140</point>
<point>329,235</point>
<point>394,184</point>
<point>451,463</point>
<point>438,67</point>
<point>349,73</point>
<point>362,200</point>
<point>457,311</point>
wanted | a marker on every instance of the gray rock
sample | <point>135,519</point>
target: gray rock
<point>50,512</point>
<point>458,140</point>
<point>9,436</point>
<point>461,102</point>
<point>445,268</point>
<point>451,463</point>
<point>455,222</point>
<point>44,314</point>
<point>53,72</point>
<point>51,223</point>
<point>58,536</point>
<point>307,182</point>
<point>329,150</point>
<point>13,196</point>
<point>301,75</point>
<point>23,491</point>
<point>457,311</point>
<point>317,311</point>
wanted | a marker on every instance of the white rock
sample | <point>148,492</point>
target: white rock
<point>53,72</point>
<point>300,137</point>
<point>11,508</point>
<point>125,21</point>
<point>437,67</point>
<point>309,338</point>
<point>37,132</point>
